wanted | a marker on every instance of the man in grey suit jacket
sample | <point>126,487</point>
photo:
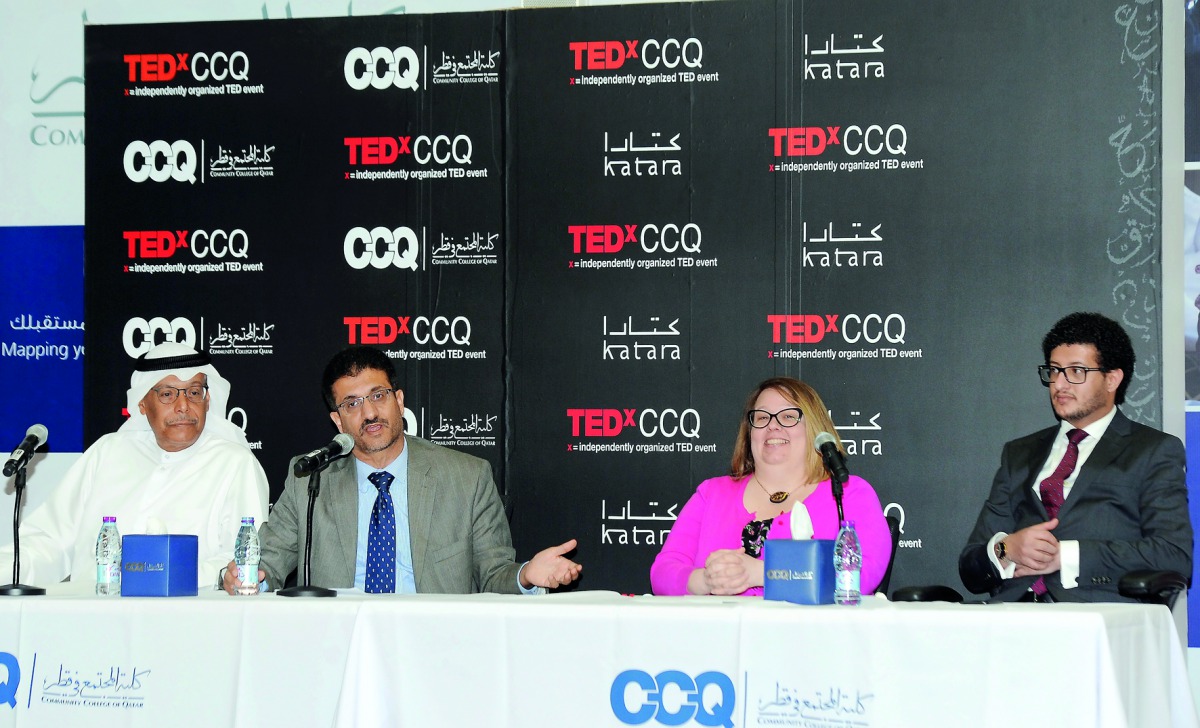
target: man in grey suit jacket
<point>444,501</point>
<point>1121,501</point>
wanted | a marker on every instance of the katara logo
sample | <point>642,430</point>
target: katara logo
<point>609,55</point>
<point>811,141</point>
<point>163,67</point>
<point>382,68</point>
<point>610,239</point>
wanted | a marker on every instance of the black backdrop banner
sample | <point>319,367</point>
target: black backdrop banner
<point>585,234</point>
<point>273,191</point>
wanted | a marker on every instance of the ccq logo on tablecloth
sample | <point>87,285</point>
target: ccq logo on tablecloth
<point>673,697</point>
<point>106,686</point>
<point>8,688</point>
<point>825,707</point>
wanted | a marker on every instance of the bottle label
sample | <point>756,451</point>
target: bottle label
<point>108,573</point>
<point>247,574</point>
<point>847,582</point>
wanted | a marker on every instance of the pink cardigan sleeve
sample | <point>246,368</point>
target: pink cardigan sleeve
<point>861,505</point>
<point>677,559</point>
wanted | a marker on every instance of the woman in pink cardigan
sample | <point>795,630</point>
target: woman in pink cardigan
<point>777,486</point>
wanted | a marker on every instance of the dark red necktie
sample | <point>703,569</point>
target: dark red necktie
<point>1052,487</point>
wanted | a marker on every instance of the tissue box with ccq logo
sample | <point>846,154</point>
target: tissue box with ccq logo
<point>159,566</point>
<point>798,571</point>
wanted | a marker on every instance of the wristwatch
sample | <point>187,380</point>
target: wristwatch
<point>1000,551</point>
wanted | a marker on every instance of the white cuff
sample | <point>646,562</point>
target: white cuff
<point>1005,572</point>
<point>1068,563</point>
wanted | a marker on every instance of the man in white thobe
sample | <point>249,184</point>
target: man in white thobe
<point>176,466</point>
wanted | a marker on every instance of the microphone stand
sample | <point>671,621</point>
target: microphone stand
<point>16,589</point>
<point>305,588</point>
<point>836,484</point>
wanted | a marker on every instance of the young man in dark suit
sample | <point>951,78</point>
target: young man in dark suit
<point>1077,505</point>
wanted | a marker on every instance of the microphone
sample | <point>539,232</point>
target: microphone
<point>322,456</point>
<point>835,461</point>
<point>34,437</point>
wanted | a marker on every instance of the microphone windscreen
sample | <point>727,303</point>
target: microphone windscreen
<point>38,431</point>
<point>346,441</point>
<point>822,440</point>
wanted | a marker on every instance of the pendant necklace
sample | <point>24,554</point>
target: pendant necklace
<point>778,496</point>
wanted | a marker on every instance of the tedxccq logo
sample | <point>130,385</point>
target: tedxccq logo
<point>673,698</point>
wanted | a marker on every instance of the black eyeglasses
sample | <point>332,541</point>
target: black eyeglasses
<point>196,393</point>
<point>352,405</point>
<point>787,417</point>
<point>1074,375</point>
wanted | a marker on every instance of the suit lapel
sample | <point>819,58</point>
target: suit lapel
<point>342,506</point>
<point>1110,445</point>
<point>421,494</point>
<point>1038,454</point>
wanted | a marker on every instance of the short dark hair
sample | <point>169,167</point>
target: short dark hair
<point>1113,347</point>
<point>349,362</point>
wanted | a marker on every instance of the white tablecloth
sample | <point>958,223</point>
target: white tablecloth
<point>586,659</point>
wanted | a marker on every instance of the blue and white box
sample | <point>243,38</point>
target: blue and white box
<point>798,571</point>
<point>159,566</point>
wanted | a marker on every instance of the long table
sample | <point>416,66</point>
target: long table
<point>583,659</point>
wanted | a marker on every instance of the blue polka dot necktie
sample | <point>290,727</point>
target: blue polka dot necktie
<point>381,539</point>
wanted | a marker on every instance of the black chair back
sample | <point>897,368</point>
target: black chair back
<point>894,528</point>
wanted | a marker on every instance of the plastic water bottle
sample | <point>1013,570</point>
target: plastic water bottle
<point>847,563</point>
<point>246,553</point>
<point>108,559</point>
